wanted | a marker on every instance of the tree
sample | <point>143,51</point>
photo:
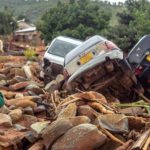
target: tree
<point>78,19</point>
<point>23,16</point>
<point>7,23</point>
<point>134,23</point>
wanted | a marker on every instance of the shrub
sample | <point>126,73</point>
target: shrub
<point>30,53</point>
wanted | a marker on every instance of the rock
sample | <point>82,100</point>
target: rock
<point>59,78</point>
<point>27,71</point>
<point>39,109</point>
<point>16,79</point>
<point>132,111</point>
<point>79,120</point>
<point>19,95</point>
<point>4,109</point>
<point>5,120</point>
<point>86,110</point>
<point>26,103</point>
<point>2,77</point>
<point>9,95</point>
<point>19,127</point>
<point>39,126</point>
<point>30,119</point>
<point>91,95</point>
<point>28,110</point>
<point>25,98</point>
<point>117,123</point>
<point>35,89</point>
<point>51,86</point>
<point>37,146</point>
<point>16,72</point>
<point>19,86</point>
<point>3,82</point>
<point>53,131</point>
<point>69,111</point>
<point>81,137</point>
<point>15,114</point>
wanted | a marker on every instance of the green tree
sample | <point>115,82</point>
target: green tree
<point>78,19</point>
<point>134,23</point>
<point>7,22</point>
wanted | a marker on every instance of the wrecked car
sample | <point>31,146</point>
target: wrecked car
<point>139,59</point>
<point>54,56</point>
<point>98,65</point>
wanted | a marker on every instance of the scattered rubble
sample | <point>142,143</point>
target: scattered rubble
<point>34,118</point>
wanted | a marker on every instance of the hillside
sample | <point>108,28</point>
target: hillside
<point>31,8</point>
<point>34,9</point>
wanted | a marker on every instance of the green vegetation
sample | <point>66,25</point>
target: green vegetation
<point>32,9</point>
<point>79,19</point>
<point>134,22</point>
<point>7,23</point>
<point>124,25</point>
<point>30,53</point>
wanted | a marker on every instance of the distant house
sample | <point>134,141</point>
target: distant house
<point>26,33</point>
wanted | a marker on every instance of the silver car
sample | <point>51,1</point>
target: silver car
<point>98,65</point>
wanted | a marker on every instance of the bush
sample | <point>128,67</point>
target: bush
<point>30,53</point>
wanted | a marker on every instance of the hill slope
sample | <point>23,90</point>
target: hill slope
<point>31,8</point>
<point>34,9</point>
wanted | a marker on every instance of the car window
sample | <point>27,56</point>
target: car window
<point>61,48</point>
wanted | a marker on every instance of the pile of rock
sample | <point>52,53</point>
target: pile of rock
<point>34,119</point>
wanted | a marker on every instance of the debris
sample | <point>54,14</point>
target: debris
<point>35,116</point>
<point>141,141</point>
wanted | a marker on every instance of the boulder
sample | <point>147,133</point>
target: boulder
<point>69,111</point>
<point>81,137</point>
<point>86,110</point>
<point>79,120</point>
<point>53,131</point>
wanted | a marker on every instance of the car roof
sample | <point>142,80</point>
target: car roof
<point>81,48</point>
<point>69,39</point>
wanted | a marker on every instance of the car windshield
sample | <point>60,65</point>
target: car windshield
<point>61,48</point>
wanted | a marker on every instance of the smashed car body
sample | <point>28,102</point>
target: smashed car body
<point>99,65</point>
